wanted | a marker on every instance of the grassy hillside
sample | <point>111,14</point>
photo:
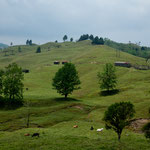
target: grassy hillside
<point>3,46</point>
<point>54,117</point>
<point>131,48</point>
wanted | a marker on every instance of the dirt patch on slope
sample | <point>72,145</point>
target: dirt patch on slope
<point>78,107</point>
<point>137,124</point>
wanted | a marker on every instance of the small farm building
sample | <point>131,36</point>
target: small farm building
<point>123,64</point>
<point>25,70</point>
<point>56,62</point>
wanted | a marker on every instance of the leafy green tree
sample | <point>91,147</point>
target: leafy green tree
<point>38,50</point>
<point>117,116</point>
<point>108,79</point>
<point>101,41</point>
<point>91,37</point>
<point>13,84</point>
<point>27,42</point>
<point>66,80</point>
<point>1,81</point>
<point>98,41</point>
<point>1,89</point>
<point>95,40</point>
<point>19,49</point>
<point>65,38</point>
<point>30,42</point>
<point>71,39</point>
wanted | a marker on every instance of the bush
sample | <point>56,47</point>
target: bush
<point>118,115</point>
<point>38,50</point>
<point>146,130</point>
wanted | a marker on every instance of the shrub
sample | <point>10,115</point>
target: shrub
<point>118,115</point>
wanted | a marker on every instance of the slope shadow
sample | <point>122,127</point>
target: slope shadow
<point>109,93</point>
<point>66,99</point>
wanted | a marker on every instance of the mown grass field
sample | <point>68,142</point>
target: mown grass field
<point>53,117</point>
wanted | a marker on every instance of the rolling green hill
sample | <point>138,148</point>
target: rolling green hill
<point>54,117</point>
<point>131,48</point>
<point>3,46</point>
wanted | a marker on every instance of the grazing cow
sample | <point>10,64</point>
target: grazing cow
<point>100,130</point>
<point>35,134</point>
<point>75,126</point>
<point>27,134</point>
<point>91,128</point>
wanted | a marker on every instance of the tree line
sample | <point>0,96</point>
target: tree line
<point>95,40</point>
<point>131,48</point>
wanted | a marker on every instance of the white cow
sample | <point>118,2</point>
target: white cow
<point>100,130</point>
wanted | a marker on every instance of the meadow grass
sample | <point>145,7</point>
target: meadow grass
<point>53,117</point>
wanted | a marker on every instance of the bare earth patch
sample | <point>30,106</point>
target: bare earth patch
<point>78,107</point>
<point>137,124</point>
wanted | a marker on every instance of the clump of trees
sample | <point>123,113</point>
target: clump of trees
<point>108,78</point>
<point>118,116</point>
<point>95,40</point>
<point>38,50</point>
<point>66,80</point>
<point>19,49</point>
<point>84,37</point>
<point>131,48</point>
<point>11,86</point>
<point>29,42</point>
<point>65,38</point>
<point>98,41</point>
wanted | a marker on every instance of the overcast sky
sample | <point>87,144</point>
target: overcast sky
<point>49,20</point>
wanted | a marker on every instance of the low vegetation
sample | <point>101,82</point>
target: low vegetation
<point>54,117</point>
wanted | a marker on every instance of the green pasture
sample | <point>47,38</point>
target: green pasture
<point>53,117</point>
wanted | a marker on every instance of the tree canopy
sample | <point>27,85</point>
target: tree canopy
<point>12,83</point>
<point>118,115</point>
<point>38,50</point>
<point>29,42</point>
<point>66,80</point>
<point>84,37</point>
<point>71,39</point>
<point>65,38</point>
<point>108,78</point>
<point>98,41</point>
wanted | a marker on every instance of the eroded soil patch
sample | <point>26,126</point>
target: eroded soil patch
<point>137,124</point>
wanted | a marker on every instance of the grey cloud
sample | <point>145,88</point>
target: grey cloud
<point>50,19</point>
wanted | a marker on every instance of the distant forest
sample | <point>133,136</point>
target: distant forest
<point>134,49</point>
<point>131,48</point>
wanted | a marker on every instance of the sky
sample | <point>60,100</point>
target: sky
<point>49,20</point>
